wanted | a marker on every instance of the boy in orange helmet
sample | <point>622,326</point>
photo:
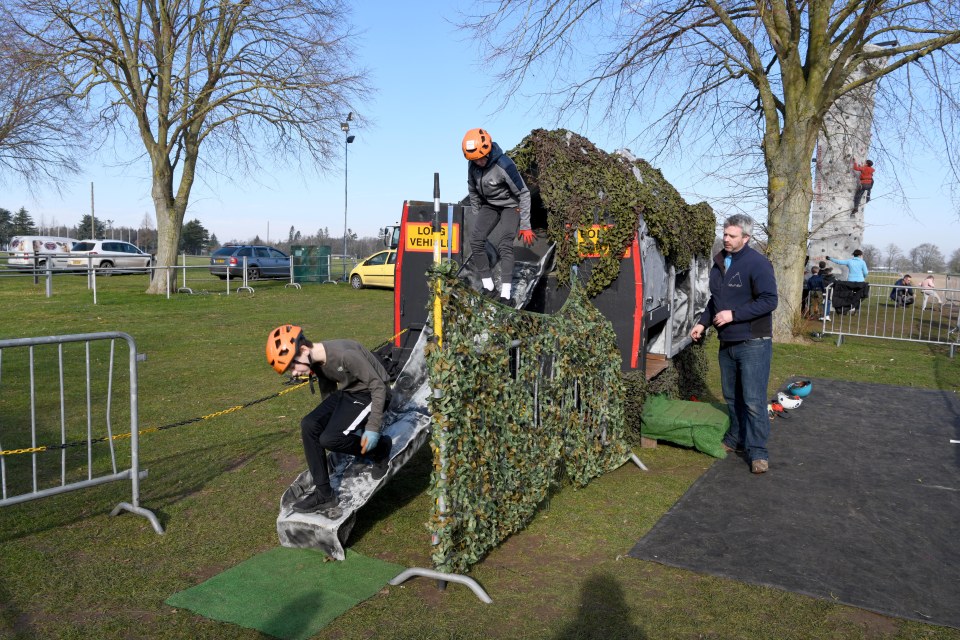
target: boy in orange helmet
<point>500,199</point>
<point>348,420</point>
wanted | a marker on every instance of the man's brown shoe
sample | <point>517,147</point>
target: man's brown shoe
<point>759,466</point>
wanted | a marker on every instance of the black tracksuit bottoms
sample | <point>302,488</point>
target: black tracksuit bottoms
<point>335,425</point>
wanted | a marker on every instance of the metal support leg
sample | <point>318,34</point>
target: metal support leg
<point>443,577</point>
<point>635,460</point>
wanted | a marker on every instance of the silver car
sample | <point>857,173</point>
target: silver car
<point>106,255</point>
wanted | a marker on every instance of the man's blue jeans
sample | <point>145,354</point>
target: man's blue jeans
<point>744,374</point>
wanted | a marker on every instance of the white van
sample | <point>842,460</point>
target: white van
<point>27,252</point>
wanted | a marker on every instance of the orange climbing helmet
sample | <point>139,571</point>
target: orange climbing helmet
<point>477,144</point>
<point>282,345</point>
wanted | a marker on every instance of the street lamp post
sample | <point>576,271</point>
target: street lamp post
<point>345,127</point>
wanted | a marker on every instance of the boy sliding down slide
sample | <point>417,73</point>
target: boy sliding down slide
<point>346,421</point>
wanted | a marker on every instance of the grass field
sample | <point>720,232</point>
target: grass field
<point>69,570</point>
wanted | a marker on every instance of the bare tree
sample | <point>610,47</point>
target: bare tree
<point>895,258</point>
<point>927,257</point>
<point>737,71</point>
<point>871,255</point>
<point>40,129</point>
<point>237,80</point>
<point>954,264</point>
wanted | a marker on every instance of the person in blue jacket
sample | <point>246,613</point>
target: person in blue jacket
<point>743,295</point>
<point>856,267</point>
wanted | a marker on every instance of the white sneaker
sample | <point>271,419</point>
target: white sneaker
<point>825,319</point>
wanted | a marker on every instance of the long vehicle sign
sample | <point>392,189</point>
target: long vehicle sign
<point>420,237</point>
<point>588,238</point>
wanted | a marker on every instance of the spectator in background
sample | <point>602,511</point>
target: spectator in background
<point>850,295</point>
<point>826,275</point>
<point>856,267</point>
<point>902,293</point>
<point>814,292</point>
<point>927,288</point>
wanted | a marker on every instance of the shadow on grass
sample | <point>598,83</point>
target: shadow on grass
<point>603,613</point>
<point>183,474</point>
<point>404,487</point>
<point>13,622</point>
<point>188,472</point>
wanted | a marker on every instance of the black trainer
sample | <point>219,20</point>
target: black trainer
<point>313,503</point>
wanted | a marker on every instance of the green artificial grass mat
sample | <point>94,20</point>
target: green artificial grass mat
<point>287,593</point>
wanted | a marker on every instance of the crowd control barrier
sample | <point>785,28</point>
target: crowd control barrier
<point>54,401</point>
<point>892,312</point>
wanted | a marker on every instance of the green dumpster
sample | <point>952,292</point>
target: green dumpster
<point>311,263</point>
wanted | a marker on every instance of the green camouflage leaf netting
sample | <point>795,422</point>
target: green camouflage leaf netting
<point>519,401</point>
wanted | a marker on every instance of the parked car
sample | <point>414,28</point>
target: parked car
<point>262,262</point>
<point>112,255</point>
<point>29,252</point>
<point>375,271</point>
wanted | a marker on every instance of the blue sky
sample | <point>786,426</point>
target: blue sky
<point>431,86</point>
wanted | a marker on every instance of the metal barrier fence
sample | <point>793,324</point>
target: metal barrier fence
<point>39,389</point>
<point>906,313</point>
<point>48,271</point>
<point>245,276</point>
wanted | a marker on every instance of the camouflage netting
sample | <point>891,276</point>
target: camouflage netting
<point>581,186</point>
<point>510,422</point>
<point>577,186</point>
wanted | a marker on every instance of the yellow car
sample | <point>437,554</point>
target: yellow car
<point>375,271</point>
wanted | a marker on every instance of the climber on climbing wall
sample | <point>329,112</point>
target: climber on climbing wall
<point>865,184</point>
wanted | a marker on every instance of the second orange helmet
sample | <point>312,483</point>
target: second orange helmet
<point>477,144</point>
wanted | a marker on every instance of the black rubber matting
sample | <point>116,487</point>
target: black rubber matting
<point>861,505</point>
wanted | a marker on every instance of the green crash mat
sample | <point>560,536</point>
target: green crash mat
<point>691,424</point>
<point>287,593</point>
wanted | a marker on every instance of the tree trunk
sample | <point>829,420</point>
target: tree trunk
<point>790,193</point>
<point>169,213</point>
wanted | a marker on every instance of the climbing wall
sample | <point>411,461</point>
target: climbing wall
<point>836,229</point>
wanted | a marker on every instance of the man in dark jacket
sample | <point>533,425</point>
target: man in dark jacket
<point>348,420</point>
<point>498,196</point>
<point>814,293</point>
<point>902,292</point>
<point>743,295</point>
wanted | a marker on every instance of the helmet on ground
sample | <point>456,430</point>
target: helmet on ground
<point>477,144</point>
<point>788,401</point>
<point>282,344</point>
<point>800,388</point>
